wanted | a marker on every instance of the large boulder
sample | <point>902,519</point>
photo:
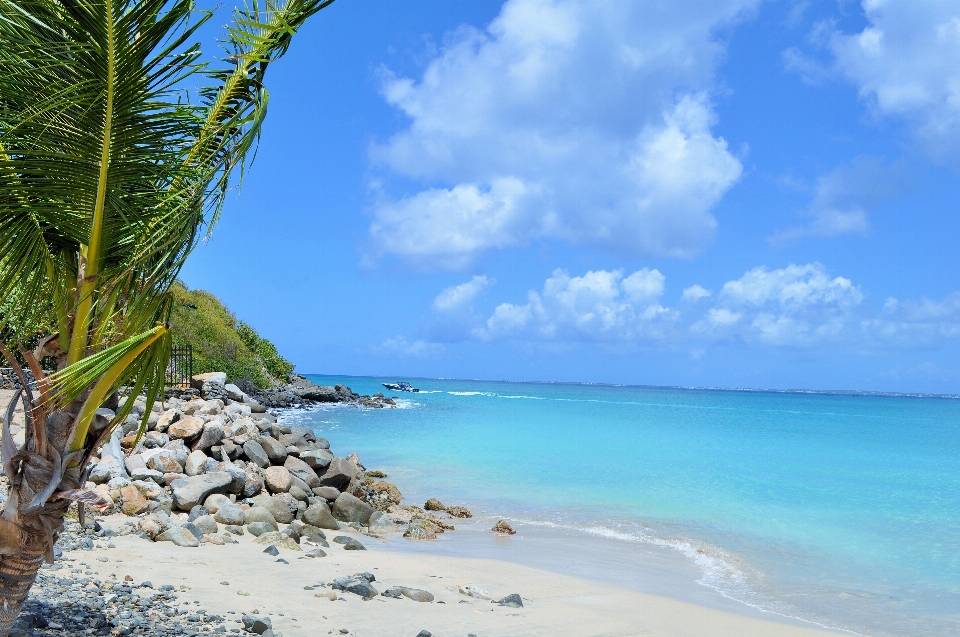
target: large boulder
<point>260,514</point>
<point>317,459</point>
<point>212,435</point>
<point>179,535</point>
<point>229,514</point>
<point>213,503</point>
<point>307,390</point>
<point>349,508</point>
<point>234,393</point>
<point>275,451</point>
<point>254,451</point>
<point>133,501</point>
<point>338,474</point>
<point>187,428</point>
<point>277,479</point>
<point>302,470</point>
<point>215,378</point>
<point>194,490</point>
<point>319,515</point>
<point>280,507</point>
<point>238,475</point>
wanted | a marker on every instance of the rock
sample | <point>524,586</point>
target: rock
<point>302,470</point>
<point>356,585</point>
<point>513,601</point>
<point>108,468</point>
<point>420,532</point>
<point>259,528</point>
<point>133,463</point>
<point>383,495</point>
<point>299,493</point>
<point>327,493</point>
<point>180,536</point>
<point>213,503</point>
<point>354,545</point>
<point>472,590</point>
<point>234,393</point>
<point>256,454</point>
<point>257,624</point>
<point>281,509</point>
<point>196,512</point>
<point>260,514</point>
<point>165,462</point>
<point>196,463</point>
<point>319,515</point>
<point>212,435</point>
<point>230,514</point>
<point>315,553</point>
<point>277,479</point>
<point>166,419</point>
<point>207,524</point>
<point>197,488</point>
<point>503,528</point>
<point>271,550</point>
<point>175,448</point>
<point>132,500</point>
<point>424,633</point>
<point>147,474</point>
<point>351,509</point>
<point>416,594</point>
<point>281,540</point>
<point>459,512</point>
<point>216,378</point>
<point>379,522</point>
<point>304,389</point>
<point>275,451</point>
<point>434,505</point>
<point>338,474</point>
<point>238,475</point>
<point>187,427</point>
<point>317,459</point>
<point>252,485</point>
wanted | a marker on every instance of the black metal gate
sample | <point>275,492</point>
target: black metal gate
<point>180,367</point>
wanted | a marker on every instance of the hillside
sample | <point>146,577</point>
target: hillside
<point>222,343</point>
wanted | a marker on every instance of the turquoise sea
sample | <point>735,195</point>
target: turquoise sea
<point>842,509</point>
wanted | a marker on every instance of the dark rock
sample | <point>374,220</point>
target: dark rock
<point>302,470</point>
<point>356,585</point>
<point>194,490</point>
<point>349,508</point>
<point>338,474</point>
<point>256,454</point>
<point>257,624</point>
<point>275,451</point>
<point>513,601</point>
<point>272,550</point>
<point>327,493</point>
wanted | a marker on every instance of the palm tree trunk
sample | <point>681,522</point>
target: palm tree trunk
<point>17,573</point>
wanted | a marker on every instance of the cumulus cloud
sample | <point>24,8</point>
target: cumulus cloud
<point>844,198</point>
<point>600,305</point>
<point>695,293</point>
<point>912,323</point>
<point>903,64</point>
<point>795,306</point>
<point>586,122</point>
<point>460,297</point>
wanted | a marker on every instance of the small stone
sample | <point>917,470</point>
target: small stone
<point>257,529</point>
<point>243,593</point>
<point>513,601</point>
<point>424,633</point>
<point>257,624</point>
<point>503,528</point>
<point>315,553</point>
<point>434,504</point>
<point>272,550</point>
<point>354,545</point>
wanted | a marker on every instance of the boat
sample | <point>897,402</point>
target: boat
<point>400,387</point>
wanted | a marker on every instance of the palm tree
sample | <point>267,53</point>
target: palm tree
<point>118,145</point>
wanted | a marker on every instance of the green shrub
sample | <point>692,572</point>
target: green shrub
<point>221,343</point>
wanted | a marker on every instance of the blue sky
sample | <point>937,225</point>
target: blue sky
<point>728,193</point>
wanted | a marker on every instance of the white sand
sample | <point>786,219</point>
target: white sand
<point>554,605</point>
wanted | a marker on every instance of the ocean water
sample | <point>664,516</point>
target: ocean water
<point>834,508</point>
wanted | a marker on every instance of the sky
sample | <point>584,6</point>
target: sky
<point>721,193</point>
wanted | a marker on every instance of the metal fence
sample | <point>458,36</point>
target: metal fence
<point>180,367</point>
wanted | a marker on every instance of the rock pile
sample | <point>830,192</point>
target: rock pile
<point>208,461</point>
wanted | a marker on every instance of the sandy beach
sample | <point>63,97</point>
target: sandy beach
<point>554,605</point>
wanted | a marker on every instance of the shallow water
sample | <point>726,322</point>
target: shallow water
<point>838,509</point>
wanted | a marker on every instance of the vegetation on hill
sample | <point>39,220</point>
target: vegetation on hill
<point>221,343</point>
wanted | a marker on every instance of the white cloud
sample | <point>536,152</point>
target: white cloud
<point>904,63</point>
<point>915,323</point>
<point>399,346</point>
<point>460,297</point>
<point>586,122</point>
<point>695,293</point>
<point>845,197</point>
<point>600,305</point>
<point>796,306</point>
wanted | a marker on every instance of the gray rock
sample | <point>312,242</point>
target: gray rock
<point>256,454</point>
<point>356,585</point>
<point>238,475</point>
<point>180,536</point>
<point>197,488</point>
<point>234,393</point>
<point>230,514</point>
<point>327,493</point>
<point>197,512</point>
<point>275,451</point>
<point>513,601</point>
<point>319,515</point>
<point>353,545</point>
<point>315,553</point>
<point>134,462</point>
<point>299,493</point>
<point>107,469</point>
<point>380,523</point>
<point>348,508</point>
<point>281,509</point>
<point>196,463</point>
<point>212,435</point>
<point>207,524</point>
<point>260,514</point>
<point>259,528</point>
<point>146,474</point>
<point>302,470</point>
<point>338,474</point>
<point>213,503</point>
<point>424,633</point>
<point>416,594</point>
<point>272,550</point>
<point>317,459</point>
<point>257,624</point>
